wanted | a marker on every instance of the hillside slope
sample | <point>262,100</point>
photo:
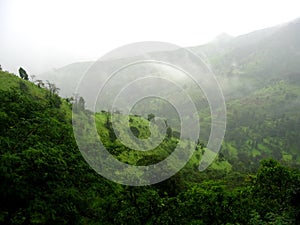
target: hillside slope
<point>246,63</point>
<point>259,75</point>
<point>44,179</point>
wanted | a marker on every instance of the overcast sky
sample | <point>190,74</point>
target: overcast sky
<point>40,35</point>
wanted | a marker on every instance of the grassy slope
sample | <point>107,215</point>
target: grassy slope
<point>161,152</point>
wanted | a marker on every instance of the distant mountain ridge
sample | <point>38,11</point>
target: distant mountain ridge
<point>259,73</point>
<point>250,61</point>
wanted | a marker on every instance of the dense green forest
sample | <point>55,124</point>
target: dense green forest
<point>45,180</point>
<point>255,178</point>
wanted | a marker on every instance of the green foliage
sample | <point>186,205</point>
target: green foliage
<point>151,116</point>
<point>23,74</point>
<point>43,176</point>
<point>262,125</point>
<point>275,187</point>
<point>79,104</point>
<point>135,131</point>
<point>169,132</point>
<point>44,179</point>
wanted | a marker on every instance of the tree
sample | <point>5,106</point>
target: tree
<point>81,103</point>
<point>275,188</point>
<point>169,132</point>
<point>32,77</point>
<point>151,116</point>
<point>52,88</point>
<point>44,179</point>
<point>23,74</point>
<point>40,83</point>
<point>135,131</point>
<point>176,134</point>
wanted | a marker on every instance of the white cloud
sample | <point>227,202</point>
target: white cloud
<point>51,33</point>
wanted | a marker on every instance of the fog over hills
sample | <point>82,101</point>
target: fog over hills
<point>242,64</point>
<point>146,136</point>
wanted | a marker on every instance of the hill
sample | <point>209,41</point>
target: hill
<point>259,75</point>
<point>246,63</point>
<point>39,159</point>
<point>45,180</point>
<point>242,64</point>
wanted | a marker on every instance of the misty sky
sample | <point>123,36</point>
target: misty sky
<point>41,35</point>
